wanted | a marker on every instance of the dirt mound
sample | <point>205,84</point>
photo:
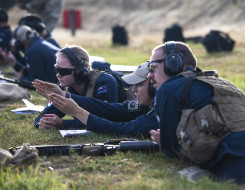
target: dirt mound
<point>144,16</point>
<point>153,16</point>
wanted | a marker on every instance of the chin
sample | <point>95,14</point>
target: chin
<point>62,85</point>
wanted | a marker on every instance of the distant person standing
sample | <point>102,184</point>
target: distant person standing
<point>49,10</point>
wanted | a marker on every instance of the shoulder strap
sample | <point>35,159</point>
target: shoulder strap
<point>94,75</point>
<point>185,93</point>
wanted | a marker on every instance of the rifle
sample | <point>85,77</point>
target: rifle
<point>22,83</point>
<point>98,149</point>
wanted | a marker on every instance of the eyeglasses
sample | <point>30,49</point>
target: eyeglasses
<point>154,64</point>
<point>63,71</point>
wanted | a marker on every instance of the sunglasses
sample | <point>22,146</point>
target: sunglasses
<point>153,64</point>
<point>63,71</point>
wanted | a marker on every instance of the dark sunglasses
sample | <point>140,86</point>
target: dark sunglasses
<point>154,64</point>
<point>63,71</point>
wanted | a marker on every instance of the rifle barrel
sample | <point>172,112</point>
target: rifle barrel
<point>22,83</point>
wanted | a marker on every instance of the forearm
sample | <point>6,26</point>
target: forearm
<point>73,124</point>
<point>82,115</point>
<point>112,111</point>
<point>140,127</point>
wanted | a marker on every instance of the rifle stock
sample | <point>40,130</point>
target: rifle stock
<point>97,149</point>
<point>22,83</point>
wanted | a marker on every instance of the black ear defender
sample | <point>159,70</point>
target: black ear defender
<point>34,22</point>
<point>81,73</point>
<point>151,90</point>
<point>173,63</point>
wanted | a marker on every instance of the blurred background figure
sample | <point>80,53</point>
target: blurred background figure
<point>5,33</point>
<point>49,10</point>
<point>39,55</point>
<point>36,22</point>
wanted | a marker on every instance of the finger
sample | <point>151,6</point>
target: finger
<point>58,103</point>
<point>42,125</point>
<point>49,85</point>
<point>57,97</point>
<point>46,122</point>
<point>152,132</point>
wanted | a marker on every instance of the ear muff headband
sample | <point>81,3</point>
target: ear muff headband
<point>72,56</point>
<point>173,63</point>
<point>81,73</point>
<point>38,26</point>
<point>19,45</point>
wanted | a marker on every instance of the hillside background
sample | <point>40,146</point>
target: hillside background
<point>153,16</point>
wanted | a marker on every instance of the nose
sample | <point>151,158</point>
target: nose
<point>58,75</point>
<point>150,75</point>
<point>134,89</point>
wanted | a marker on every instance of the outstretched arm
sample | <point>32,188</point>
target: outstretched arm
<point>46,88</point>
<point>69,107</point>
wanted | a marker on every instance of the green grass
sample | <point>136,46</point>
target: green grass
<point>123,170</point>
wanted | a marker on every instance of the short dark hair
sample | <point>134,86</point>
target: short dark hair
<point>3,15</point>
<point>183,49</point>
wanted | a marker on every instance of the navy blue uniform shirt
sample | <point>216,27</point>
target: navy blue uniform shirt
<point>21,62</point>
<point>106,88</point>
<point>166,103</point>
<point>40,60</point>
<point>5,37</point>
<point>126,118</point>
<point>50,39</point>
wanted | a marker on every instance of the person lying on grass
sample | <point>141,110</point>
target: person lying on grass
<point>131,118</point>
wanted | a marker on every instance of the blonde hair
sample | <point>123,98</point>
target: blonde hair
<point>80,53</point>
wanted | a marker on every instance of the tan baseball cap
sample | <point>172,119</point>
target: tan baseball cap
<point>138,76</point>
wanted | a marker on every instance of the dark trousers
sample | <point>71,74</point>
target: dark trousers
<point>230,168</point>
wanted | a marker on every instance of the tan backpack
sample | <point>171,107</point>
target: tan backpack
<point>200,131</point>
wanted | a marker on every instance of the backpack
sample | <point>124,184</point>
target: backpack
<point>120,35</point>
<point>199,132</point>
<point>217,41</point>
<point>173,33</point>
<point>121,90</point>
<point>125,90</point>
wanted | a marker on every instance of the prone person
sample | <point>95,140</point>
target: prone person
<point>133,118</point>
<point>168,61</point>
<point>39,55</point>
<point>75,76</point>
<point>36,22</point>
<point>5,33</point>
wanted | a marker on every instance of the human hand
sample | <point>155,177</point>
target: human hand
<point>155,135</point>
<point>66,105</point>
<point>46,88</point>
<point>8,57</point>
<point>50,121</point>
